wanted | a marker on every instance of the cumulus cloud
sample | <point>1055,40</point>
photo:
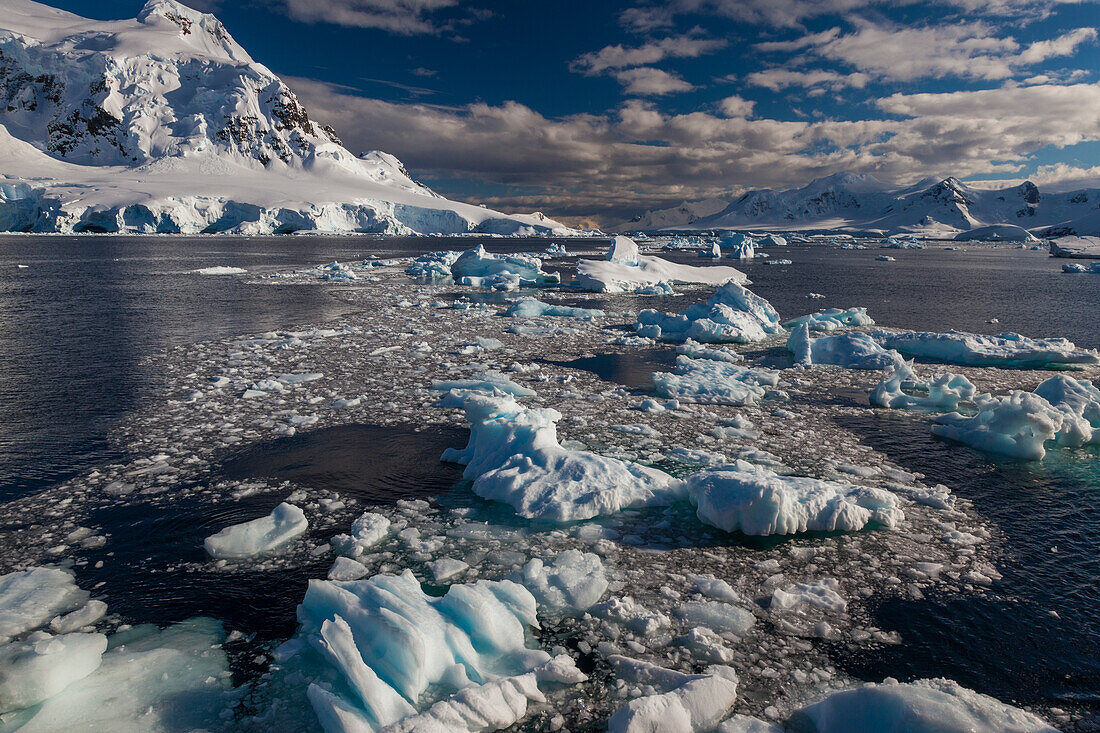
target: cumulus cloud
<point>647,81</point>
<point>778,79</point>
<point>689,45</point>
<point>612,166</point>
<point>404,17</point>
<point>965,50</point>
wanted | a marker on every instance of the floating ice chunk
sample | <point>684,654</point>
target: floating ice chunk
<point>490,381</point>
<point>851,350</point>
<point>833,319</point>
<point>819,594</point>
<point>44,665</point>
<point>754,500</point>
<point>714,382</point>
<point>344,568</point>
<point>514,457</point>
<point>626,271</point>
<point>335,272</point>
<point>534,308</point>
<point>741,246</point>
<point>714,252</point>
<point>480,268</point>
<point>574,582</point>
<point>924,706</point>
<point>1008,350</point>
<point>433,266</point>
<point>151,680</point>
<point>744,724</point>
<point>446,568</point>
<point>633,615</point>
<point>1078,396</point>
<point>715,588</point>
<point>696,350</point>
<point>733,314</point>
<point>285,522</point>
<point>221,270</point>
<point>885,258</point>
<point>87,615</point>
<point>1076,267</point>
<point>717,616</point>
<point>1018,424</point>
<point>30,598</point>
<point>772,240</point>
<point>495,705</point>
<point>705,646</point>
<point>390,642</point>
<point>944,391</point>
<point>694,703</point>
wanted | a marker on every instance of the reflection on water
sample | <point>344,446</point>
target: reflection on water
<point>1035,638</point>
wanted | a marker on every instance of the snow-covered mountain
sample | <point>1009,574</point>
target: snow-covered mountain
<point>861,202</point>
<point>164,123</point>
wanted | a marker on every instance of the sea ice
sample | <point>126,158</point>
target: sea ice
<point>856,350</point>
<point>221,270</point>
<point>572,583</point>
<point>819,594</point>
<point>514,457</point>
<point>492,382</point>
<point>626,271</point>
<point>30,598</point>
<point>692,703</point>
<point>757,501</point>
<point>733,314</point>
<point>534,308</point>
<point>480,268</point>
<point>714,382</point>
<point>832,319</point>
<point>1008,350</point>
<point>285,522</point>
<point>44,665</point>
<point>944,391</point>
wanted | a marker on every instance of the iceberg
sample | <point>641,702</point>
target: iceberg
<point>734,314</point>
<point>690,703</point>
<point>856,350</point>
<point>571,584</point>
<point>757,501</point>
<point>265,534</point>
<point>407,661</point>
<point>1020,424</point>
<point>832,319</point>
<point>944,392</point>
<point>30,598</point>
<point>1074,267</point>
<point>624,270</point>
<point>534,308</point>
<point>1007,350</point>
<point>709,381</point>
<point>514,457</point>
<point>479,268</point>
<point>923,706</point>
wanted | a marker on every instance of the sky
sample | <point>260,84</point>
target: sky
<point>594,111</point>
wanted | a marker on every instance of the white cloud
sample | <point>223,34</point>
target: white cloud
<point>736,107</point>
<point>594,165</point>
<point>405,17</point>
<point>778,79</point>
<point>972,50</point>
<point>689,45</point>
<point>648,81</point>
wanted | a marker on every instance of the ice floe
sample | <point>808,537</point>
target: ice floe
<point>832,319</point>
<point>854,350</point>
<point>1008,350</point>
<point>710,381</point>
<point>265,534</point>
<point>733,314</point>
<point>624,270</point>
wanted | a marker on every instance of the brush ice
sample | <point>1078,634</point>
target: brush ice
<point>757,501</point>
<point>833,319</point>
<point>573,582</point>
<point>514,457</point>
<point>390,643</point>
<point>30,598</point>
<point>690,703</point>
<point>696,350</point>
<point>534,308</point>
<point>734,314</point>
<point>855,350</point>
<point>285,522</point>
<point>819,594</point>
<point>490,381</point>
<point>714,382</point>
<point>1008,350</point>
<point>626,271</point>
<point>923,706</point>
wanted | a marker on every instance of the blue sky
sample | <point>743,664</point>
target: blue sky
<point>597,110</point>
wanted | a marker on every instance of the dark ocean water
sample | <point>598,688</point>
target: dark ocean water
<point>79,325</point>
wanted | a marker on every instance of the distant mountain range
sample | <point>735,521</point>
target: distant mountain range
<point>164,123</point>
<point>860,202</point>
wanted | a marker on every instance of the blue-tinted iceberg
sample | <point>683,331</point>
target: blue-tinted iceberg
<point>733,314</point>
<point>624,270</point>
<point>832,319</point>
<point>479,268</point>
<point>855,350</point>
<point>1008,350</point>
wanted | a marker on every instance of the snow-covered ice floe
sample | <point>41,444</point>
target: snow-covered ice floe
<point>626,271</point>
<point>1061,410</point>
<point>854,350</point>
<point>923,706</point>
<point>734,314</point>
<point>757,501</point>
<point>716,382</point>
<point>832,319</point>
<point>265,534</point>
<point>514,457</point>
<point>393,658</point>
<point>687,703</point>
<point>479,268</point>
<point>1007,350</point>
